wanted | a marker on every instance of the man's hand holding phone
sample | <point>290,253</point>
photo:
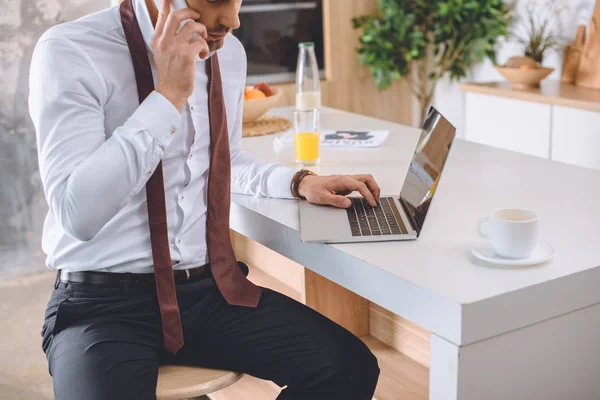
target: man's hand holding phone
<point>175,52</point>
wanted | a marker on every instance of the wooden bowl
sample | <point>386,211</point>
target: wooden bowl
<point>524,78</point>
<point>516,62</point>
<point>256,108</point>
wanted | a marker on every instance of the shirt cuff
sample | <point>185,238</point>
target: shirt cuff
<point>278,183</point>
<point>159,117</point>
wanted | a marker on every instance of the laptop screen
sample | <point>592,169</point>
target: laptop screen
<point>426,167</point>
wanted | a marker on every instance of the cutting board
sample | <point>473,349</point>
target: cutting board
<point>589,73</point>
<point>572,56</point>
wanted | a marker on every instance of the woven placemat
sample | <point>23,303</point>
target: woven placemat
<point>265,125</point>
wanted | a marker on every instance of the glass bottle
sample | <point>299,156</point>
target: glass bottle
<point>308,87</point>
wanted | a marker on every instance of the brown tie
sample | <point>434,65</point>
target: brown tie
<point>232,283</point>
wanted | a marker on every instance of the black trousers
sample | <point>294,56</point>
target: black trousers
<point>106,343</point>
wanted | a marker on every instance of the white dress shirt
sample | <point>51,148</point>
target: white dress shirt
<point>98,146</point>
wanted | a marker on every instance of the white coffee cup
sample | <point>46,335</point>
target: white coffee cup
<point>512,233</point>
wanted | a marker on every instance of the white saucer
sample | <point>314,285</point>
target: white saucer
<point>541,254</point>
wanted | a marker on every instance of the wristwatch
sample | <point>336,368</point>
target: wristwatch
<point>296,179</point>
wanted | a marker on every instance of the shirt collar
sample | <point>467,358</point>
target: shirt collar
<point>145,23</point>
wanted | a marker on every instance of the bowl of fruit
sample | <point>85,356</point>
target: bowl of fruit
<point>523,72</point>
<point>258,99</point>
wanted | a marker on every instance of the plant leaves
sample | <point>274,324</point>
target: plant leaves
<point>450,35</point>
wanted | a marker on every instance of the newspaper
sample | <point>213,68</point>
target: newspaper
<point>353,138</point>
<point>340,138</point>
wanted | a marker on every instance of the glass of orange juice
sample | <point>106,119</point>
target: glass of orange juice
<point>306,136</point>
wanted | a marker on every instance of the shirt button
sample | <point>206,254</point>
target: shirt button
<point>181,197</point>
<point>186,185</point>
<point>178,241</point>
<point>191,107</point>
<point>149,171</point>
<point>191,155</point>
<point>172,131</point>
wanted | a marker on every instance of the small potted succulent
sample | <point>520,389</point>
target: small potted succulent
<point>540,34</point>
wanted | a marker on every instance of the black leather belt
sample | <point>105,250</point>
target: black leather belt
<point>129,279</point>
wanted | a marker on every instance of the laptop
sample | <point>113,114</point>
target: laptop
<point>395,217</point>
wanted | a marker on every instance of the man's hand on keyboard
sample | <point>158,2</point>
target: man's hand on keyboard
<point>332,190</point>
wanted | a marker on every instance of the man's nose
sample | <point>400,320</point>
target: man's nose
<point>231,18</point>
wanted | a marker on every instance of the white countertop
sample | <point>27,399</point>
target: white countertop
<point>438,267</point>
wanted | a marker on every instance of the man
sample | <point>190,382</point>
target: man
<point>148,277</point>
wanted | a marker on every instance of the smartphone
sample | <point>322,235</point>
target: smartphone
<point>175,5</point>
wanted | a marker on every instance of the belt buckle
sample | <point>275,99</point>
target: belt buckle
<point>187,274</point>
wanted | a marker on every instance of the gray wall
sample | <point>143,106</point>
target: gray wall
<point>22,203</point>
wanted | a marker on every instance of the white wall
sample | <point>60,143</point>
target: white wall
<point>450,101</point>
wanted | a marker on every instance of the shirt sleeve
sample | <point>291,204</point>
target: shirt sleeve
<point>87,178</point>
<point>250,175</point>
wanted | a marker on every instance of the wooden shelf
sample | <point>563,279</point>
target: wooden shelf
<point>550,92</point>
<point>401,334</point>
<point>263,279</point>
<point>401,377</point>
<point>276,266</point>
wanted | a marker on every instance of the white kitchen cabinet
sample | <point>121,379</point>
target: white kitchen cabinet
<point>510,124</point>
<point>557,120</point>
<point>576,136</point>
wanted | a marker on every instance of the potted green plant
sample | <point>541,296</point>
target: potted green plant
<point>423,40</point>
<point>542,31</point>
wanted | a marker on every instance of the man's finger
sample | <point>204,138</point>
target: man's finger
<point>371,184</point>
<point>186,34</point>
<point>357,185</point>
<point>176,18</point>
<point>337,201</point>
<point>200,47</point>
<point>162,17</point>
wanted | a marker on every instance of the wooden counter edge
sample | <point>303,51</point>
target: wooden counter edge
<point>532,96</point>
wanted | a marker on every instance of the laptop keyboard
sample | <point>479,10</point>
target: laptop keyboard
<point>374,221</point>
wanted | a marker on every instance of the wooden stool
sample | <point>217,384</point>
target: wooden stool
<point>180,383</point>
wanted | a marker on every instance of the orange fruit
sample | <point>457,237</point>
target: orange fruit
<point>265,88</point>
<point>528,67</point>
<point>253,94</point>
